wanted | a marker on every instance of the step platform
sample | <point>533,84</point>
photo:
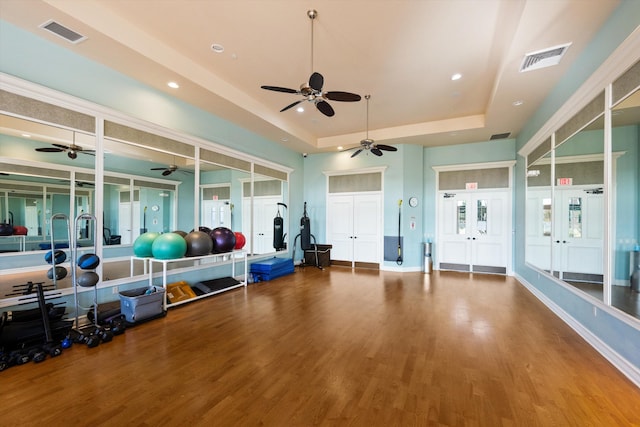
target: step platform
<point>272,268</point>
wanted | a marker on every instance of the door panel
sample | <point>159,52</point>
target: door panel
<point>353,227</point>
<point>473,231</point>
<point>579,235</point>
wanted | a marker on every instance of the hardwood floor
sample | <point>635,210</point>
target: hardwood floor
<point>335,347</point>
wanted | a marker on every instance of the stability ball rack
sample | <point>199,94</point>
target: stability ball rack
<point>57,217</point>
<point>74,266</point>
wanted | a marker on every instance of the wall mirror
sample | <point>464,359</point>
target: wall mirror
<point>572,170</point>
<point>539,213</point>
<point>625,119</point>
<point>148,182</point>
<point>267,194</point>
<point>578,210</point>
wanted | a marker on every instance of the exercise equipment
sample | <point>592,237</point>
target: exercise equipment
<point>20,230</point>
<point>88,279</point>
<point>199,243</point>
<point>399,259</point>
<point>240,240</point>
<point>305,238</point>
<point>142,246</point>
<point>57,273</point>
<point>224,240</point>
<point>278,230</point>
<point>88,261</point>
<point>180,232</point>
<point>49,347</point>
<point>6,228</point>
<point>169,246</point>
<point>55,256</point>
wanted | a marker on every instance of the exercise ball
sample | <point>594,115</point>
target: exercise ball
<point>199,243</point>
<point>58,256</point>
<point>240,240</point>
<point>180,232</point>
<point>20,230</point>
<point>169,246</point>
<point>88,261</point>
<point>88,279</point>
<point>60,272</point>
<point>142,244</point>
<point>223,240</point>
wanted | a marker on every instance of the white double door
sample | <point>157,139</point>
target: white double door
<point>578,238</point>
<point>354,224</point>
<point>265,209</point>
<point>474,231</point>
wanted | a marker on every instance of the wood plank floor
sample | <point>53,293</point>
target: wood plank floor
<point>334,347</point>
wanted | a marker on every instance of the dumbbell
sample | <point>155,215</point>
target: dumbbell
<point>18,357</point>
<point>37,355</point>
<point>52,349</point>
<point>67,342</point>
<point>103,334</point>
<point>116,324</point>
<point>92,340</point>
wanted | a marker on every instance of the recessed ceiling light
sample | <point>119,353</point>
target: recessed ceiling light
<point>217,48</point>
<point>300,110</point>
<point>518,103</point>
<point>173,85</point>
<point>284,139</point>
<point>339,147</point>
<point>456,76</point>
<point>26,135</point>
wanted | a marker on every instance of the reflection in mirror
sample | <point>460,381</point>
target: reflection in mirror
<point>268,203</point>
<point>539,214</point>
<point>40,164</point>
<point>578,210</point>
<point>626,258</point>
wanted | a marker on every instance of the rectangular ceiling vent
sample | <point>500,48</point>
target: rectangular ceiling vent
<point>543,58</point>
<point>62,31</point>
<point>500,136</point>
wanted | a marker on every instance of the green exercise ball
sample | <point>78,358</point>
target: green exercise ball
<point>142,246</point>
<point>169,246</point>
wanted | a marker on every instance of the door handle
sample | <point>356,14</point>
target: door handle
<point>557,241</point>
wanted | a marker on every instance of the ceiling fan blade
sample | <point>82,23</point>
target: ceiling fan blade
<point>316,81</point>
<point>49,150</point>
<point>386,147</point>
<point>376,151</point>
<point>292,105</point>
<point>325,108</point>
<point>167,172</point>
<point>355,153</point>
<point>60,146</point>
<point>342,96</point>
<point>158,169</point>
<point>279,89</point>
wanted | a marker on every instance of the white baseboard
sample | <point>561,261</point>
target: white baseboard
<point>623,365</point>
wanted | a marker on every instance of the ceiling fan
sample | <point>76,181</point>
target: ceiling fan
<point>72,150</point>
<point>168,170</point>
<point>312,90</point>
<point>370,144</point>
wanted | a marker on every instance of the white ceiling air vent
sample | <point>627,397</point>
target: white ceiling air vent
<point>543,58</point>
<point>62,31</point>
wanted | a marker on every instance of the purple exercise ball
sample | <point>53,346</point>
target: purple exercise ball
<point>224,240</point>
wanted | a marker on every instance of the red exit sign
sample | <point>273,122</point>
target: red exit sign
<point>565,181</point>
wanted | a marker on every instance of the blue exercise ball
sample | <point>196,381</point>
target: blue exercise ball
<point>88,261</point>
<point>58,256</point>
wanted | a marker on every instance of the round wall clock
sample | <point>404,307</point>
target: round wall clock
<point>413,202</point>
<point>155,208</point>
